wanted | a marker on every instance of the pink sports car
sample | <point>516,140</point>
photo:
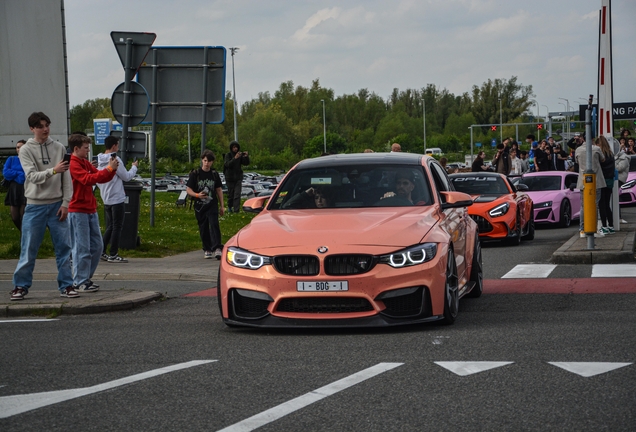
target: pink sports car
<point>555,196</point>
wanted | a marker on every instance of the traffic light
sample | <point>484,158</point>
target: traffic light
<point>493,128</point>
<point>539,126</point>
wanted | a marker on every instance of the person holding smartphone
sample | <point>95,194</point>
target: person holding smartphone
<point>86,236</point>
<point>114,198</point>
<point>48,191</point>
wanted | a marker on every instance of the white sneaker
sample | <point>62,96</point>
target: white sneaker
<point>582,234</point>
<point>623,221</point>
<point>599,233</point>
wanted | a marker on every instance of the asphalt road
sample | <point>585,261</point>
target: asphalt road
<point>334,380</point>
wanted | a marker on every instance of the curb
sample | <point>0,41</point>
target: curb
<point>564,255</point>
<point>74,307</point>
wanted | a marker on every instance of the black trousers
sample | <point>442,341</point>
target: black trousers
<point>234,195</point>
<point>114,215</point>
<point>209,229</point>
<point>604,207</point>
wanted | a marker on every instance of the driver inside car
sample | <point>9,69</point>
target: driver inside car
<point>404,186</point>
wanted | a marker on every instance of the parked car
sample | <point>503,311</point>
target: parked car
<point>501,211</point>
<point>556,200</point>
<point>627,194</point>
<point>353,241</point>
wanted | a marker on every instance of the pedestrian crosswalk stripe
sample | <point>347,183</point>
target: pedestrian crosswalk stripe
<point>469,368</point>
<point>588,369</point>
<point>530,271</point>
<point>614,270</point>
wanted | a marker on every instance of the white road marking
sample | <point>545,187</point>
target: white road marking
<point>18,404</point>
<point>473,367</point>
<point>530,271</point>
<point>29,320</point>
<point>614,270</point>
<point>300,402</point>
<point>588,369</point>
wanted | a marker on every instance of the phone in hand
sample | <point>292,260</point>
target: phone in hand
<point>113,155</point>
<point>67,158</point>
<point>94,159</point>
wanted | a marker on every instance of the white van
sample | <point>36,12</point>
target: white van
<point>434,151</point>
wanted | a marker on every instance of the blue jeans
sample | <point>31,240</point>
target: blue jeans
<point>34,223</point>
<point>87,245</point>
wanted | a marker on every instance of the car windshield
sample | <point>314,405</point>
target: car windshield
<point>348,186</point>
<point>480,185</point>
<point>542,183</point>
<point>632,164</point>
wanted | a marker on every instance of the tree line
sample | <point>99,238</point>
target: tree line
<point>283,128</point>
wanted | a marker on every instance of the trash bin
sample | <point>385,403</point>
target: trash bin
<point>129,238</point>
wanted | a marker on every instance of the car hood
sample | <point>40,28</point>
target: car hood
<point>543,196</point>
<point>342,230</point>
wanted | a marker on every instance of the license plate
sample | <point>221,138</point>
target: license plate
<point>323,286</point>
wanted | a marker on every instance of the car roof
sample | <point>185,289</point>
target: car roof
<point>362,158</point>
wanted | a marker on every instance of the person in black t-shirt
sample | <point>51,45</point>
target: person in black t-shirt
<point>204,185</point>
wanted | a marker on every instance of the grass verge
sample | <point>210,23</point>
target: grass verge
<point>175,231</point>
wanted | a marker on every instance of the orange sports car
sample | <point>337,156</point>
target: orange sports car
<point>370,239</point>
<point>501,210</point>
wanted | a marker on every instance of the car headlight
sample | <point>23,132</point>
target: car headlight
<point>245,259</point>
<point>500,210</point>
<point>410,256</point>
<point>630,184</point>
<point>543,204</point>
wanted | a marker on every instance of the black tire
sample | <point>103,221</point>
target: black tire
<point>565,214</point>
<point>516,240</point>
<point>477,272</point>
<point>530,234</point>
<point>451,290</point>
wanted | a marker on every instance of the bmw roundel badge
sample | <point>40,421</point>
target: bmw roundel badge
<point>323,249</point>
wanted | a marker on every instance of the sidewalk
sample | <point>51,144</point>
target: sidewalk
<point>47,301</point>
<point>614,249</point>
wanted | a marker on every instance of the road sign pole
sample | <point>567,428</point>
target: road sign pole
<point>204,99</point>
<point>153,138</point>
<point>126,109</point>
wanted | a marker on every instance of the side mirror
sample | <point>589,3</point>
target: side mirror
<point>455,200</point>
<point>572,186</point>
<point>255,205</point>
<point>522,187</point>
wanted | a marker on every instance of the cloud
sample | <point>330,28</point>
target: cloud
<point>313,21</point>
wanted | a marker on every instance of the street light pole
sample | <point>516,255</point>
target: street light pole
<point>568,116</point>
<point>500,119</point>
<point>324,126</point>
<point>234,50</point>
<point>548,120</point>
<point>538,118</point>
<point>424,122</point>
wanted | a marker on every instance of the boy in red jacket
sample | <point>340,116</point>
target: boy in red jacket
<point>86,237</point>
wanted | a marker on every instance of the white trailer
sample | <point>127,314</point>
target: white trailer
<point>33,72</point>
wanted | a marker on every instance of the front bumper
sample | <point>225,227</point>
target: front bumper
<point>382,297</point>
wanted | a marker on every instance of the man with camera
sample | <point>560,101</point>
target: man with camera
<point>48,190</point>
<point>233,171</point>
<point>114,196</point>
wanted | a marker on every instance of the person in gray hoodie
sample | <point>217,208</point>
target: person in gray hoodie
<point>48,190</point>
<point>114,197</point>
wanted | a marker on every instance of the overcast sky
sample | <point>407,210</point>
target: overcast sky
<point>374,44</point>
